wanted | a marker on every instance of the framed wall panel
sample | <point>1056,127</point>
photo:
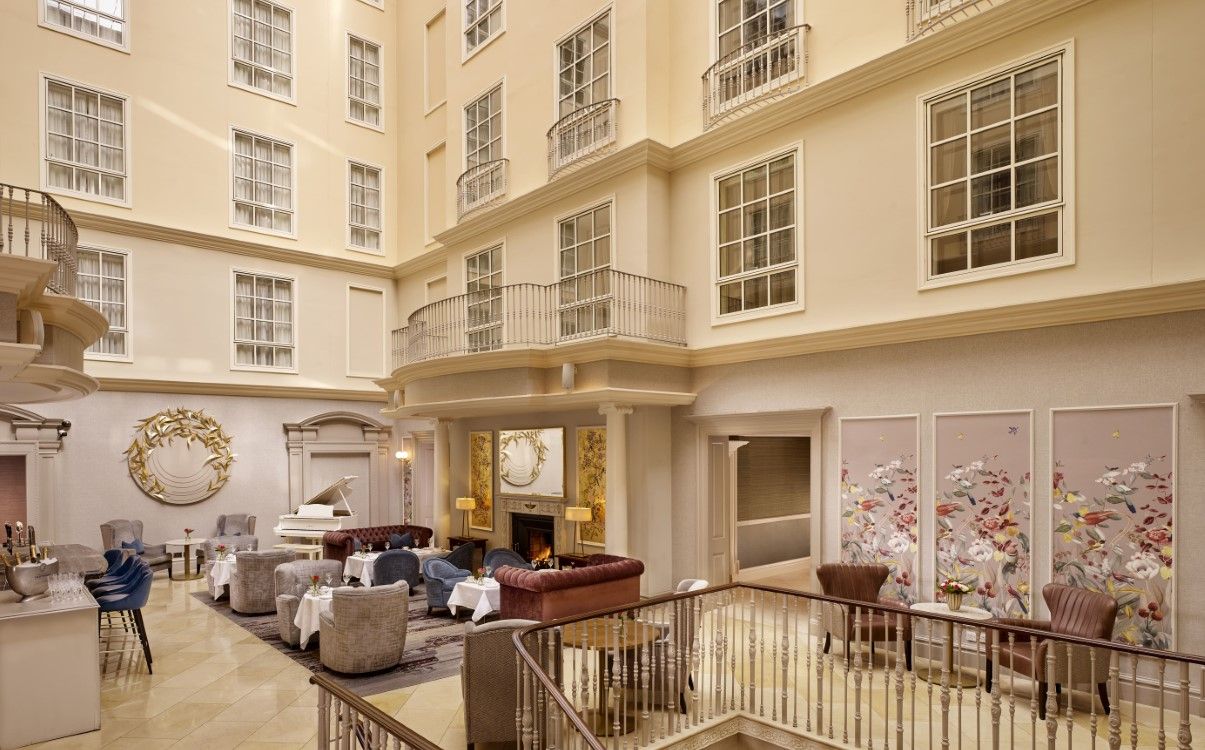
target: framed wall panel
<point>879,488</point>
<point>481,479</point>
<point>592,483</point>
<point>1113,504</point>
<point>983,486</point>
<point>531,463</point>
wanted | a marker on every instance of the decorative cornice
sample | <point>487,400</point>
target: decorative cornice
<point>132,228</point>
<point>146,385</point>
<point>72,315</point>
<point>540,402</point>
<point>1126,303</point>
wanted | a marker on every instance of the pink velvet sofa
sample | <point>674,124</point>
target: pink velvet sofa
<point>605,581</point>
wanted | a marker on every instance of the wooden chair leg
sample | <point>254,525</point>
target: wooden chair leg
<point>140,626</point>
<point>1041,700</point>
<point>828,642</point>
<point>1102,690</point>
<point>908,654</point>
<point>988,674</point>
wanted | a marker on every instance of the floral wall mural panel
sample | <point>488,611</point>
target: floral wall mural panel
<point>983,502</point>
<point>878,519</point>
<point>532,462</point>
<point>481,480</point>
<point>592,483</point>
<point>1113,506</point>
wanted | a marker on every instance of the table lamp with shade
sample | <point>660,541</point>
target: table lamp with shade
<point>577,514</point>
<point>466,504</point>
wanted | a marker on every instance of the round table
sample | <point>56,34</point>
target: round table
<point>220,573</point>
<point>966,613</point>
<point>360,565</point>
<point>601,636</point>
<point>187,545</point>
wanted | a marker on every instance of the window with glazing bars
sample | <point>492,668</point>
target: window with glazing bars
<point>101,284</point>
<point>85,141</point>
<point>585,299</point>
<point>263,183</point>
<point>740,24</point>
<point>756,228</point>
<point>263,321</point>
<point>364,206</point>
<point>585,66</point>
<point>364,81</point>
<point>103,20</point>
<point>262,48</point>
<point>483,286</point>
<point>483,129</point>
<point>994,171</point>
<point>482,19</point>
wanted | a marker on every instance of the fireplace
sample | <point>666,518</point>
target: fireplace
<point>533,537</point>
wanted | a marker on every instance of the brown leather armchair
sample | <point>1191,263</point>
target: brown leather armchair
<point>861,582</point>
<point>1073,611</point>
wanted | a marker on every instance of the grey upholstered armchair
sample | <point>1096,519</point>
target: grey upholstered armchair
<point>291,578</point>
<point>442,577</point>
<point>236,531</point>
<point>487,681</point>
<point>113,533</point>
<point>501,557</point>
<point>365,631</point>
<point>462,556</point>
<point>396,565</point>
<point>253,580</point>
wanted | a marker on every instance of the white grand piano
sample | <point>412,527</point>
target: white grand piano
<point>325,511</point>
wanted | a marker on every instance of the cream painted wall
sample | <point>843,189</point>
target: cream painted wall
<point>180,110</point>
<point>1134,361</point>
<point>181,318</point>
<point>93,484</point>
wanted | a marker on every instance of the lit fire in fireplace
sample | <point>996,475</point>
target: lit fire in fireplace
<point>540,551</point>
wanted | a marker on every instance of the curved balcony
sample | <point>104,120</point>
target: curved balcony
<point>44,329</point>
<point>481,185</point>
<point>34,225</point>
<point>760,71</point>
<point>581,135</point>
<point>594,304</point>
<point>925,16</point>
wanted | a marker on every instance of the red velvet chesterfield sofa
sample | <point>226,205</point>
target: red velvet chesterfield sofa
<point>605,581</point>
<point>337,545</point>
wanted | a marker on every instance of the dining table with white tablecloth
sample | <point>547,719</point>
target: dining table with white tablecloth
<point>483,598</point>
<point>309,613</point>
<point>220,573</point>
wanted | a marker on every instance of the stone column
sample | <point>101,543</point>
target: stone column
<point>442,480</point>
<point>617,477</point>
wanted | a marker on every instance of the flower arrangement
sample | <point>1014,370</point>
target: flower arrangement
<point>188,534</point>
<point>481,574</point>
<point>221,550</point>
<point>314,584</point>
<point>954,591</point>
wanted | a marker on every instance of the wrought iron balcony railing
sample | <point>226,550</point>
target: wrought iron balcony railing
<point>760,71</point>
<point>581,134</point>
<point>35,225</point>
<point>925,16</point>
<point>481,185</point>
<point>597,303</point>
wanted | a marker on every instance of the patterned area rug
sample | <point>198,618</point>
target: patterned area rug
<point>434,646</point>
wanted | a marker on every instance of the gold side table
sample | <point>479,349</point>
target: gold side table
<point>187,545</point>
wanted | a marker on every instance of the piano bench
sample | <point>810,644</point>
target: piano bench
<point>303,551</point>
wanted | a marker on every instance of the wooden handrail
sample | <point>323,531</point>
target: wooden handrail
<point>374,714</point>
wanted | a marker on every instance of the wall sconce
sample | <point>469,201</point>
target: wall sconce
<point>403,456</point>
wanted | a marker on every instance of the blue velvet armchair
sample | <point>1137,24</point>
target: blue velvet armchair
<point>442,577</point>
<point>396,565</point>
<point>462,556</point>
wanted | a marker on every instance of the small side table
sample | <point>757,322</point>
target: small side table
<point>302,551</point>
<point>566,561</point>
<point>187,545</point>
<point>965,612</point>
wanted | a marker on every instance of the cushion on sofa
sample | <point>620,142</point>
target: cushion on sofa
<point>396,542</point>
<point>135,545</point>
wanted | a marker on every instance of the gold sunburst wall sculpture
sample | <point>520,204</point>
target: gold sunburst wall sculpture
<point>180,456</point>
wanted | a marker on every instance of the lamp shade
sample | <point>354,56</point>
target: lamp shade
<point>466,503</point>
<point>578,513</point>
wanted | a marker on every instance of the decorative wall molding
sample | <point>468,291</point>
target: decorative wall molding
<point>164,465</point>
<point>40,440</point>
<point>343,434</point>
<point>148,385</point>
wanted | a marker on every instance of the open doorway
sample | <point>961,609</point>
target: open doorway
<point>771,509</point>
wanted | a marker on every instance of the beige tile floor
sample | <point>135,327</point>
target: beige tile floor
<point>218,687</point>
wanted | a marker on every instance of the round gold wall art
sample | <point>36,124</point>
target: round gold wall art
<point>180,456</point>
